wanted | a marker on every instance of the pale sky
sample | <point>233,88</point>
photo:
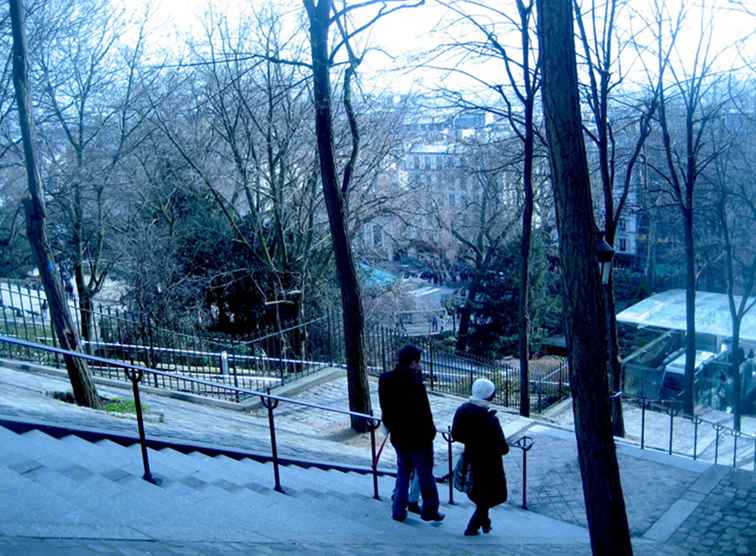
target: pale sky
<point>409,32</point>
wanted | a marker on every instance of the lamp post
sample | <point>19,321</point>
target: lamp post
<point>605,254</point>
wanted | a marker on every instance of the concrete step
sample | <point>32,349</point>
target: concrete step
<point>52,515</point>
<point>121,463</point>
<point>299,520</point>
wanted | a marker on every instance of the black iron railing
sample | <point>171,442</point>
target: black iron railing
<point>274,356</point>
<point>672,409</point>
<point>524,443</point>
<point>136,374</point>
<point>449,372</point>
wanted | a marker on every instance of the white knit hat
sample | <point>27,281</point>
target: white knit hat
<point>483,389</point>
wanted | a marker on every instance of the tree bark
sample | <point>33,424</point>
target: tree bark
<point>690,310</point>
<point>86,306</point>
<point>527,225</point>
<point>352,314</point>
<point>583,300</point>
<point>84,390</point>
<point>465,315</point>
<point>615,367</point>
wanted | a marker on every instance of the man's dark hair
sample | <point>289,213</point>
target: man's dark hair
<point>408,354</point>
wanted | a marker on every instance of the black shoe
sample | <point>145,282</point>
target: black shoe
<point>413,507</point>
<point>486,526</point>
<point>399,517</point>
<point>471,532</point>
<point>438,516</point>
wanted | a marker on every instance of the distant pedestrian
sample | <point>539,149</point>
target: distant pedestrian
<point>748,369</point>
<point>477,427</point>
<point>722,392</point>
<point>434,324</point>
<point>407,415</point>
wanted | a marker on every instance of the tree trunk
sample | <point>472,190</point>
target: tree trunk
<point>736,378</point>
<point>690,312</point>
<point>524,304</point>
<point>353,318</point>
<point>465,315</point>
<point>84,390</point>
<point>615,367</point>
<point>85,309</point>
<point>583,301</point>
<point>651,254</point>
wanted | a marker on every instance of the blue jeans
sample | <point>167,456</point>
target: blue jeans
<point>421,460</point>
<point>414,489</point>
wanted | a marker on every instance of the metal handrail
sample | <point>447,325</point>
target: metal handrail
<point>270,401</point>
<point>279,332</point>
<point>122,365</point>
<point>673,408</point>
<point>524,443</point>
<point>135,373</point>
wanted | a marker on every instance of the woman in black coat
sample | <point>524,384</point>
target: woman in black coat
<point>477,427</point>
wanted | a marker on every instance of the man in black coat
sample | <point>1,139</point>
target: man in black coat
<point>407,415</point>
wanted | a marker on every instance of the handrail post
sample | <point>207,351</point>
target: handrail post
<point>135,376</point>
<point>236,378</point>
<point>672,410</point>
<point>643,422</point>
<point>506,386</point>
<point>696,421</point>
<point>448,437</point>
<point>328,336</point>
<point>735,449</point>
<point>270,404</point>
<point>373,424</point>
<point>432,382</point>
<point>224,363</point>
<point>524,443</point>
<point>718,428</point>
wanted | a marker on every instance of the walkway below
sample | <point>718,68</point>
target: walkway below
<point>675,506</point>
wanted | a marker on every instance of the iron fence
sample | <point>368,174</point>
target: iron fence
<point>277,355</point>
<point>449,372</point>
<point>696,437</point>
<point>137,374</point>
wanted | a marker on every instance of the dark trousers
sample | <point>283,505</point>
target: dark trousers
<point>479,518</point>
<point>421,460</point>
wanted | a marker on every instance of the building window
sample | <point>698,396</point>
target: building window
<point>622,244</point>
<point>426,162</point>
<point>622,224</point>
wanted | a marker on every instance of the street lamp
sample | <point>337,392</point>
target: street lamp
<point>605,254</point>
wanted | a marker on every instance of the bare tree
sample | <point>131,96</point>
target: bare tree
<point>601,48</point>
<point>686,157</point>
<point>90,89</point>
<point>583,301</point>
<point>322,16</point>
<point>84,389</point>
<point>731,178</point>
<point>517,93</point>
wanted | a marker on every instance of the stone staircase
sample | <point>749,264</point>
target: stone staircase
<point>71,488</point>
